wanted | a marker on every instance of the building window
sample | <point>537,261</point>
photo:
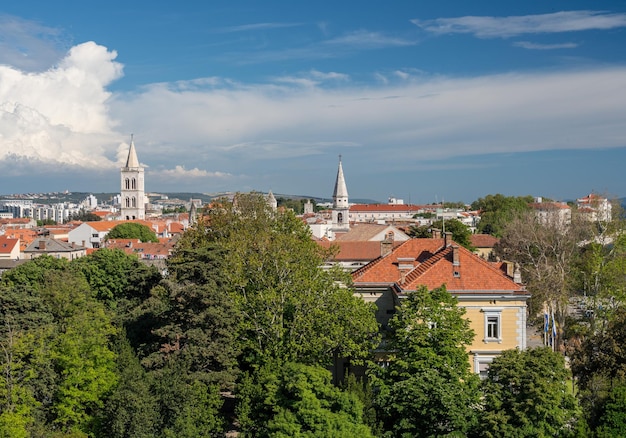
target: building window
<point>134,185</point>
<point>127,183</point>
<point>127,202</point>
<point>493,329</point>
<point>493,325</point>
<point>134,202</point>
<point>339,218</point>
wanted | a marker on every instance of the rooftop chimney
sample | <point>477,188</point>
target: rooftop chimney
<point>42,244</point>
<point>447,239</point>
<point>386,245</point>
<point>455,255</point>
<point>436,233</point>
<point>517,275</point>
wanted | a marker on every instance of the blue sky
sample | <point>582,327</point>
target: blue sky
<point>424,100</point>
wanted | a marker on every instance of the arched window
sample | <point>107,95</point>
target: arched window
<point>134,202</point>
<point>127,202</point>
<point>339,218</point>
<point>134,184</point>
<point>127,183</point>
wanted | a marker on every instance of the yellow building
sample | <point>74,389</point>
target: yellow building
<point>491,293</point>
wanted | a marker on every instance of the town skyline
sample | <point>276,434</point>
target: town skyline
<point>451,101</point>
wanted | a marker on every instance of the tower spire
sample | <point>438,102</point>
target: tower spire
<point>340,194</point>
<point>341,207</point>
<point>132,160</point>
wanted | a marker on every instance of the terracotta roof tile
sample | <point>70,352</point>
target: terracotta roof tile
<point>426,262</point>
<point>483,240</point>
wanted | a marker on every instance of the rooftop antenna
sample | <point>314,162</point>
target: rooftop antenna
<point>443,218</point>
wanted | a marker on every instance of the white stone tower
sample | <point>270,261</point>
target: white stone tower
<point>133,195</point>
<point>341,208</point>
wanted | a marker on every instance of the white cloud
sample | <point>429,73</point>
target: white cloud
<point>535,46</point>
<point>60,115</point>
<point>255,27</point>
<point>179,173</point>
<point>504,27</point>
<point>363,39</point>
<point>423,118</point>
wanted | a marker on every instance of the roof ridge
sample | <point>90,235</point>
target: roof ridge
<point>423,267</point>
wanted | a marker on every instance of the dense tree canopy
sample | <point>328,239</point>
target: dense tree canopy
<point>527,394</point>
<point>497,210</point>
<point>427,389</point>
<point>291,309</point>
<point>291,399</point>
<point>132,230</point>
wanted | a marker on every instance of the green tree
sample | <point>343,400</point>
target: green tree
<point>80,352</point>
<point>427,388</point>
<point>290,308</point>
<point>528,394</point>
<point>612,422</point>
<point>132,230</point>
<point>115,276</point>
<point>86,216</point>
<point>33,272</point>
<point>196,325</point>
<point>297,400</point>
<point>599,365</point>
<point>131,410</point>
<point>190,407</point>
<point>497,210</point>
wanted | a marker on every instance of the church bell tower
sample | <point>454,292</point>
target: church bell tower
<point>341,207</point>
<point>132,189</point>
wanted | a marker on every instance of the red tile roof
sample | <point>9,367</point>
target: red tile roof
<point>483,240</point>
<point>350,250</point>
<point>7,244</point>
<point>427,262</point>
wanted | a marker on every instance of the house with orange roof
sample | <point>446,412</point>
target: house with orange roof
<point>491,293</point>
<point>352,255</point>
<point>24,235</point>
<point>9,248</point>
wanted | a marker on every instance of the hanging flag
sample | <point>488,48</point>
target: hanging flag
<point>546,322</point>
<point>553,329</point>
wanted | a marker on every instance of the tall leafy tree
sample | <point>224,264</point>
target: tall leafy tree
<point>427,388</point>
<point>546,251</point>
<point>291,309</point>
<point>196,325</point>
<point>81,352</point>
<point>528,394</point>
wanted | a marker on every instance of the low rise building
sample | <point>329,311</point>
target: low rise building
<point>493,296</point>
